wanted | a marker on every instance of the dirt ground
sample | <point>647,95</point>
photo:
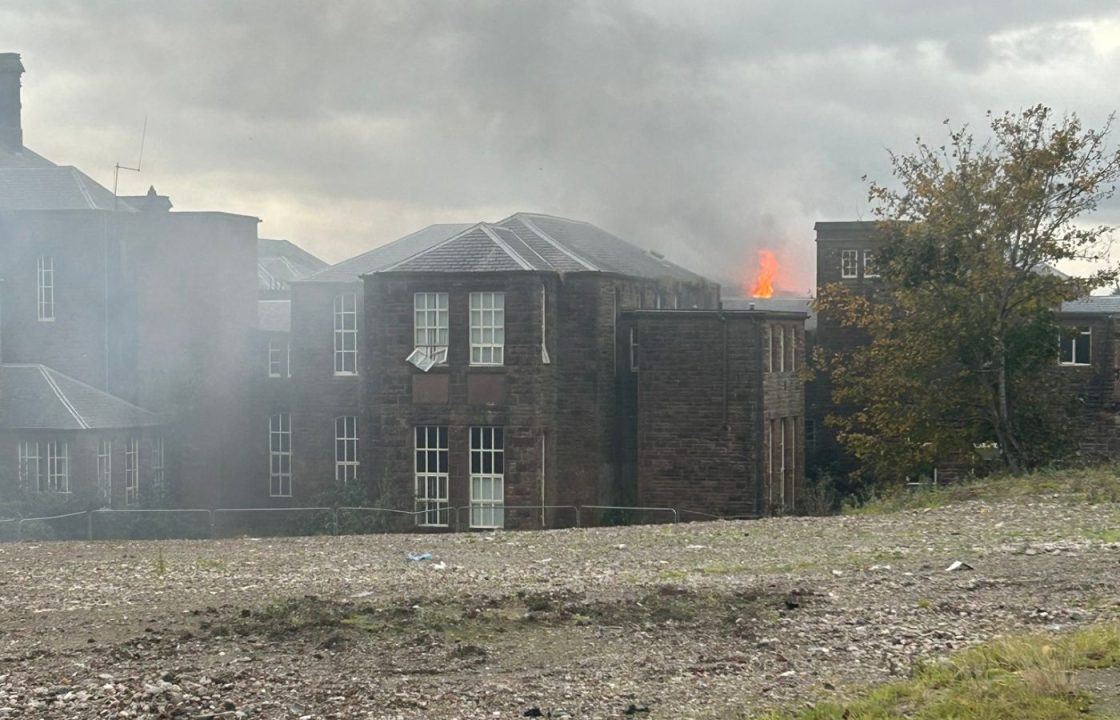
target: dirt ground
<point>706,620</point>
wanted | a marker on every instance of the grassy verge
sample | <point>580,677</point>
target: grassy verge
<point>1028,678</point>
<point>1088,485</point>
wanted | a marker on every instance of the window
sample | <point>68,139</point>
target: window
<point>545,358</point>
<point>158,474</point>
<point>46,288</point>
<point>58,467</point>
<point>780,356</point>
<point>849,264</point>
<point>280,455</point>
<point>767,349</point>
<point>790,362</point>
<point>432,504</point>
<point>345,334</point>
<point>633,349</point>
<point>487,477</point>
<point>29,469</point>
<point>869,268</point>
<point>488,328</point>
<point>345,449</point>
<point>132,472</point>
<point>279,359</point>
<point>810,436</point>
<point>429,319</point>
<point>1076,345</point>
<point>105,470</point>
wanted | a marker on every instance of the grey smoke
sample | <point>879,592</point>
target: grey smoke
<point>702,130</point>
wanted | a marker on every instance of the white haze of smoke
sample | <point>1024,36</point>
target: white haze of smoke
<point>704,131</point>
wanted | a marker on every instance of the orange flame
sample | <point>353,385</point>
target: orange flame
<point>767,271</point>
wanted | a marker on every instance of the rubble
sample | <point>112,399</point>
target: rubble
<point>771,612</point>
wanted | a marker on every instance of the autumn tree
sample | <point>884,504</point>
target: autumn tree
<point>962,334</point>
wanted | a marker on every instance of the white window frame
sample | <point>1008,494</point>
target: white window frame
<point>488,328</point>
<point>346,461</point>
<point>780,331</point>
<point>487,474</point>
<point>1069,336</point>
<point>431,458</point>
<point>45,285</point>
<point>546,359</point>
<point>634,367</point>
<point>869,270</point>
<point>278,357</point>
<point>849,264</point>
<point>346,334</point>
<point>30,466</point>
<point>159,469</point>
<point>105,470</point>
<point>58,467</point>
<point>430,329</point>
<point>280,455</point>
<point>790,347</point>
<point>132,472</point>
<point>768,348</point>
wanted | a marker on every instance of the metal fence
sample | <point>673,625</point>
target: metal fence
<point>203,523</point>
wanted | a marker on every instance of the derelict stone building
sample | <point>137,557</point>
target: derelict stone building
<point>141,306</point>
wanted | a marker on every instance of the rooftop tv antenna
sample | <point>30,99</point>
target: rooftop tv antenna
<point>139,162</point>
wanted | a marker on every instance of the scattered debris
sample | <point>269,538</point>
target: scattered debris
<point>958,565</point>
<point>419,557</point>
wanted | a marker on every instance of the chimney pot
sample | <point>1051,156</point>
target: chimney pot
<point>11,126</point>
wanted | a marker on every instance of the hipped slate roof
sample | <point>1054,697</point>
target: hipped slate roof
<point>533,242</point>
<point>54,188</point>
<point>37,397</point>
<point>386,255</point>
<point>283,261</point>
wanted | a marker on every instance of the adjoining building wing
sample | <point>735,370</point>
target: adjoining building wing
<point>390,254</point>
<point>54,188</point>
<point>36,397</point>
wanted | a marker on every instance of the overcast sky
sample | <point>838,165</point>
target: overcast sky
<point>703,130</point>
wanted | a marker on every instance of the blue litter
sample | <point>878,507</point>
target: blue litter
<point>417,557</point>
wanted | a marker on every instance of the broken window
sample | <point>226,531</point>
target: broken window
<point>278,359</point>
<point>849,264</point>
<point>346,334</point>
<point>345,449</point>
<point>1076,345</point>
<point>46,288</point>
<point>432,503</point>
<point>488,328</point>
<point>487,477</point>
<point>870,270</point>
<point>280,455</point>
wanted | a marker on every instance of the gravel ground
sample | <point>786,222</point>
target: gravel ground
<point>706,620</point>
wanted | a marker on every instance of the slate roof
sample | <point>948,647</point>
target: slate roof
<point>22,158</point>
<point>54,188</point>
<point>38,397</point>
<point>382,257</point>
<point>529,241</point>
<point>1093,304</point>
<point>274,315</point>
<point>281,262</point>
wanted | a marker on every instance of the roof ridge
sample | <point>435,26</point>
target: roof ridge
<point>556,243</point>
<point>46,373</point>
<point>506,247</point>
<point>532,249</point>
<point>426,250</point>
<point>87,386</point>
<point>82,187</point>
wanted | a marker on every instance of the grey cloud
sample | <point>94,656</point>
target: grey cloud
<point>703,130</point>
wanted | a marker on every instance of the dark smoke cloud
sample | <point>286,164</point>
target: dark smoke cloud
<point>703,130</point>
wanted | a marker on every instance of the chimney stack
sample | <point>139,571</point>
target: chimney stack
<point>11,126</point>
